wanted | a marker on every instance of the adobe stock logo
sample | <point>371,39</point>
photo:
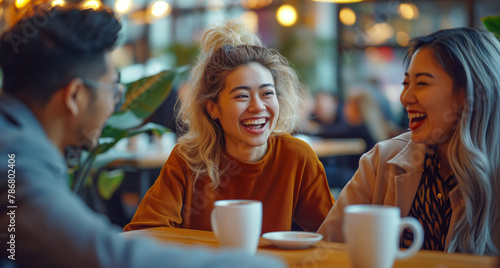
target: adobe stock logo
<point>29,29</point>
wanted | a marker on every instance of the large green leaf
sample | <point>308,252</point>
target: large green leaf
<point>108,182</point>
<point>124,120</point>
<point>145,95</point>
<point>492,24</point>
<point>110,135</point>
<point>101,157</point>
<point>141,99</point>
<point>157,129</point>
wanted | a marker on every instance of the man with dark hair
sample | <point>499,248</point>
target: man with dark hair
<point>59,88</point>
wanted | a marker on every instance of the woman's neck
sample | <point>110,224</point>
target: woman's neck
<point>248,154</point>
<point>442,152</point>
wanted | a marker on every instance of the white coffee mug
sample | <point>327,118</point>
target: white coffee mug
<point>373,232</point>
<point>237,224</point>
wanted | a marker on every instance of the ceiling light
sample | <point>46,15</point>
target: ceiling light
<point>338,1</point>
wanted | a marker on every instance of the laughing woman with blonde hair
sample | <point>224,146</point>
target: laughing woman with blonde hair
<point>241,103</point>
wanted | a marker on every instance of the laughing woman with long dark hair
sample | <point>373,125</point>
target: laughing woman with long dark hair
<point>446,170</point>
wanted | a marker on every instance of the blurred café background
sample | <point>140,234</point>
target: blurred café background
<point>348,54</point>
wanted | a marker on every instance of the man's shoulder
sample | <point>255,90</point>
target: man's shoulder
<point>12,135</point>
<point>21,131</point>
<point>32,151</point>
<point>15,138</point>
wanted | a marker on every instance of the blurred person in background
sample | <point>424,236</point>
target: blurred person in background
<point>325,110</point>
<point>242,101</point>
<point>443,172</point>
<point>365,114</point>
<point>368,108</point>
<point>59,88</point>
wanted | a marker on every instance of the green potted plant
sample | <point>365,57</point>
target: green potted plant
<point>141,99</point>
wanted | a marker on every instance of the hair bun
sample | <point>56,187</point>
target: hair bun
<point>231,32</point>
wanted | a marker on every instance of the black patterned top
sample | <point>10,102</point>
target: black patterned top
<point>431,206</point>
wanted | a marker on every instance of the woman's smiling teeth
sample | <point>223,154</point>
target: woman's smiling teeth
<point>254,123</point>
<point>415,117</point>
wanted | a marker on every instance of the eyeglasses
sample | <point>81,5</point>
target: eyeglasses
<point>117,88</point>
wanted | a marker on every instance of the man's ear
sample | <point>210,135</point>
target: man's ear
<point>75,96</point>
<point>211,109</point>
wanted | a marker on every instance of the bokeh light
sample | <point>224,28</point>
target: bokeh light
<point>92,4</point>
<point>251,20</point>
<point>160,9</point>
<point>286,15</point>
<point>379,33</point>
<point>21,3</point>
<point>408,11</point>
<point>347,16</point>
<point>123,6</point>
<point>58,3</point>
<point>402,38</point>
<point>338,1</point>
<point>255,4</point>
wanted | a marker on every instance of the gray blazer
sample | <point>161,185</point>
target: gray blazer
<point>51,225</point>
<point>389,174</point>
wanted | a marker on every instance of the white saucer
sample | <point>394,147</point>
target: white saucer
<point>292,240</point>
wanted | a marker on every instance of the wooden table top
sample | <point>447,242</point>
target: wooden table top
<point>322,254</point>
<point>337,147</point>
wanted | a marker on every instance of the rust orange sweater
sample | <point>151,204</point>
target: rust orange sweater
<point>289,180</point>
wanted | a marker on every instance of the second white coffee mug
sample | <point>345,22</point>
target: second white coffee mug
<point>237,224</point>
<point>372,234</point>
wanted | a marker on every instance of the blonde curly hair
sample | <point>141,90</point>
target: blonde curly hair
<point>223,49</point>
